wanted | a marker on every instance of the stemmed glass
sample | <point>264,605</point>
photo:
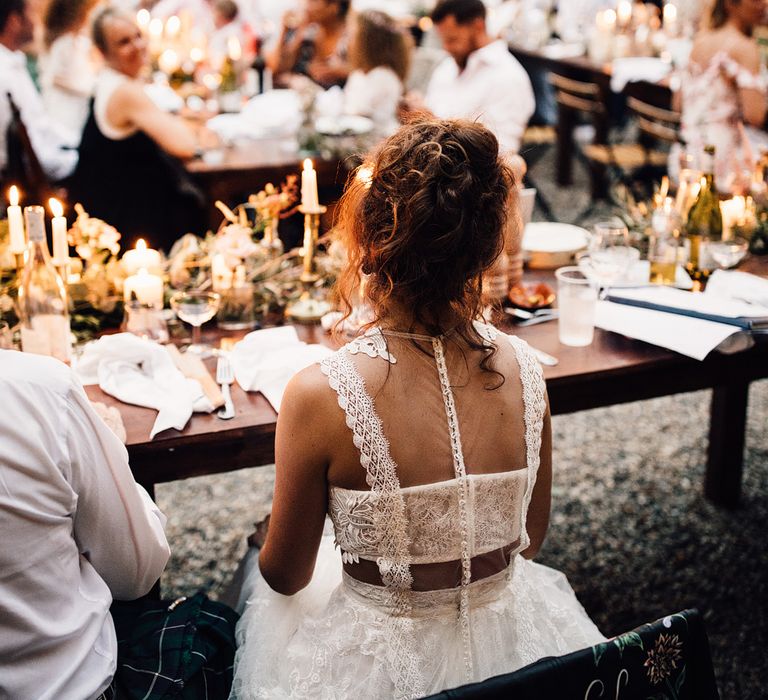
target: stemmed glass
<point>727,254</point>
<point>610,256</point>
<point>196,308</point>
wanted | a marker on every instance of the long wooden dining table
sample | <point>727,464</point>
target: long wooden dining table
<point>612,370</point>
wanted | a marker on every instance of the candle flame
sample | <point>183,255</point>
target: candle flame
<point>13,196</point>
<point>173,26</point>
<point>55,207</point>
<point>308,165</point>
<point>156,27</point>
<point>233,48</point>
<point>143,18</point>
<point>141,244</point>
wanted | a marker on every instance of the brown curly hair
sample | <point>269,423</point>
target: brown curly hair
<point>380,41</point>
<point>62,16</point>
<point>424,221</point>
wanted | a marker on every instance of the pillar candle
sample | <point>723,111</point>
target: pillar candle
<point>18,239</point>
<point>141,257</point>
<point>59,230</point>
<point>147,288</point>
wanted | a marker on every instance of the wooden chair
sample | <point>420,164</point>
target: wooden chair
<point>671,653</point>
<point>23,167</point>
<point>657,127</point>
<point>536,142</point>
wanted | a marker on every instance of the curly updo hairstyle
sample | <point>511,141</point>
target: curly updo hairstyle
<point>423,220</point>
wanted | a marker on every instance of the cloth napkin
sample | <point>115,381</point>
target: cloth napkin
<point>636,68</point>
<point>266,360</point>
<point>140,372</point>
<point>742,286</point>
<point>276,113</point>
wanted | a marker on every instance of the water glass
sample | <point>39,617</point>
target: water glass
<point>577,302</point>
<point>610,256</point>
<point>145,321</point>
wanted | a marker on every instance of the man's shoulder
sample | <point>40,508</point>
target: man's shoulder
<point>43,373</point>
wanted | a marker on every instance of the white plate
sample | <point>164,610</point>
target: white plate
<point>345,125</point>
<point>552,237</point>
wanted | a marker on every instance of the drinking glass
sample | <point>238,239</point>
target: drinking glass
<point>610,256</point>
<point>577,302</point>
<point>727,254</point>
<point>196,308</point>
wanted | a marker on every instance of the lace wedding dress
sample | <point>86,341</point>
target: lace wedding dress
<point>455,601</point>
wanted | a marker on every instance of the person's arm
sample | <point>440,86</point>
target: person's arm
<point>282,57</point>
<point>301,490</point>
<point>754,103</point>
<point>131,106</point>
<point>116,525</point>
<point>537,520</point>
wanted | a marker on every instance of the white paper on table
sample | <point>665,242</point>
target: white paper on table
<point>266,361</point>
<point>140,372</point>
<point>733,284</point>
<point>692,337</point>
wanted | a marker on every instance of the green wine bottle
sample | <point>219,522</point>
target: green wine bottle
<point>705,222</point>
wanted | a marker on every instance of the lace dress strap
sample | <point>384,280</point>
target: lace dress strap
<point>389,518</point>
<point>534,390</point>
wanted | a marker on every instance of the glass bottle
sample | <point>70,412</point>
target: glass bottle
<point>663,246</point>
<point>705,221</point>
<point>42,296</point>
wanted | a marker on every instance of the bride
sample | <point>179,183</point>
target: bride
<point>427,441</point>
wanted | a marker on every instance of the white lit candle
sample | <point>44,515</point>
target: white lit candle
<point>168,61</point>
<point>18,240</point>
<point>172,27</point>
<point>221,274</point>
<point>734,213</point>
<point>234,50</point>
<point>141,257</point>
<point>156,36</point>
<point>143,18</point>
<point>309,198</point>
<point>624,13</point>
<point>670,18</point>
<point>59,230</point>
<point>147,288</point>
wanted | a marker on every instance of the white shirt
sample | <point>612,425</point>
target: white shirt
<point>493,88</point>
<point>77,532</point>
<point>374,94</point>
<point>67,78</point>
<point>48,139</point>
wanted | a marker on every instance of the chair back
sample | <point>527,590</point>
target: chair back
<point>667,658</point>
<point>655,123</point>
<point>23,167</point>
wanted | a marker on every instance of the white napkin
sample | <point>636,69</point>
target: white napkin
<point>693,337</point>
<point>636,68</point>
<point>276,113</point>
<point>266,360</point>
<point>141,372</point>
<point>742,286</point>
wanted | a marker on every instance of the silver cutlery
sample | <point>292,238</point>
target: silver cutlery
<point>544,357</point>
<point>528,318</point>
<point>224,378</point>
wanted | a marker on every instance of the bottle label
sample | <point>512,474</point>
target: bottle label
<point>47,334</point>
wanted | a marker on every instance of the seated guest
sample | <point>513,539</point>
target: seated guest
<point>54,148</point>
<point>379,55</point>
<point>480,79</point>
<point>228,25</point>
<point>77,531</point>
<point>428,443</point>
<point>69,66</point>
<point>129,172</point>
<point>315,45</point>
<point>723,94</point>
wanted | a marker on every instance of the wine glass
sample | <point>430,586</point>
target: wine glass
<point>196,308</point>
<point>610,256</point>
<point>727,254</point>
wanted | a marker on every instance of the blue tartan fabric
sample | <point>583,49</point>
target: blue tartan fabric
<point>184,649</point>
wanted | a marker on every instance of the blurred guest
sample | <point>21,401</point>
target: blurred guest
<point>723,94</point>
<point>379,55</point>
<point>55,149</point>
<point>480,79</point>
<point>229,26</point>
<point>129,172</point>
<point>78,529</point>
<point>69,66</point>
<point>314,45</point>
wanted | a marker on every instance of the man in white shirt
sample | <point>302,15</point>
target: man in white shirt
<point>77,532</point>
<point>480,79</point>
<point>54,148</point>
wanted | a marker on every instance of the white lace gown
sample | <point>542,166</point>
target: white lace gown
<point>342,638</point>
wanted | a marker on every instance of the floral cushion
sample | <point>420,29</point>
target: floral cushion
<point>665,660</point>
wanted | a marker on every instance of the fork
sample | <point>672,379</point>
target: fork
<point>224,377</point>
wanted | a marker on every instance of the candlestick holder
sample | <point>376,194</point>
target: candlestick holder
<point>308,309</point>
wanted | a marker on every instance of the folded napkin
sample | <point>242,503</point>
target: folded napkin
<point>732,284</point>
<point>636,68</point>
<point>140,372</point>
<point>266,360</point>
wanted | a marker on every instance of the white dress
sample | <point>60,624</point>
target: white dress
<point>342,638</point>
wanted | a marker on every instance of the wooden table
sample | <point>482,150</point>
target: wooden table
<point>247,166</point>
<point>613,370</point>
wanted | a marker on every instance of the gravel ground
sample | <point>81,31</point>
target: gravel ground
<point>630,526</point>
